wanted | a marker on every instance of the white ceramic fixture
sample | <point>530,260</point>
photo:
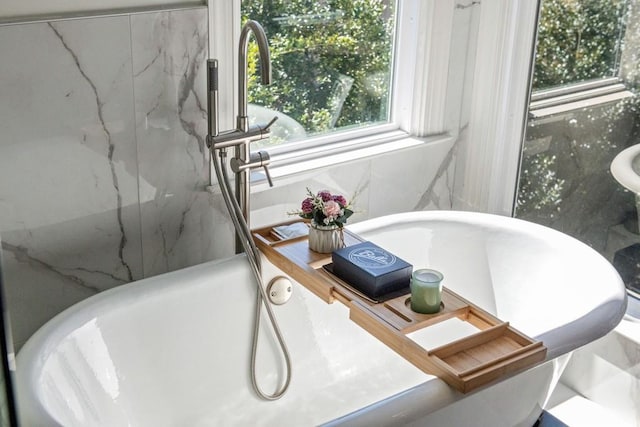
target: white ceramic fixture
<point>173,350</point>
<point>625,168</point>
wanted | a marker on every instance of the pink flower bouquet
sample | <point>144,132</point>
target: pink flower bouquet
<point>325,209</point>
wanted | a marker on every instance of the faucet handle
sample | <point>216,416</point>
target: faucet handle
<point>265,159</point>
<point>260,159</point>
<point>266,172</point>
<point>264,130</point>
<point>275,118</point>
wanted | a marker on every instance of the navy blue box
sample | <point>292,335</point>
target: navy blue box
<point>371,269</point>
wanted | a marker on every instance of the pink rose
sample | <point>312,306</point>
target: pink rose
<point>331,209</point>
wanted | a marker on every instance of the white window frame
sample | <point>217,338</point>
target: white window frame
<point>558,100</point>
<point>491,142</point>
<point>417,108</point>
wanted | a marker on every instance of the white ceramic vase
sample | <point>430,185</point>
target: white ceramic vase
<point>325,238</point>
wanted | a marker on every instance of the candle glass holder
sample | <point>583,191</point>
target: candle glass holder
<point>426,291</point>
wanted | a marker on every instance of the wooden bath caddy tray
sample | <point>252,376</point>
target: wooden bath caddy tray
<point>496,351</point>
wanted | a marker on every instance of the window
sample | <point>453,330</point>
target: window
<point>385,83</point>
<point>579,55</point>
<point>578,41</point>
<point>583,112</point>
<point>332,65</point>
<point>345,55</point>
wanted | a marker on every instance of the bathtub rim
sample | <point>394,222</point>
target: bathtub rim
<point>600,321</point>
<point>143,287</point>
<point>54,331</point>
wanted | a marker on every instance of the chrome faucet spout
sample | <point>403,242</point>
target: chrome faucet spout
<point>265,67</point>
<point>243,135</point>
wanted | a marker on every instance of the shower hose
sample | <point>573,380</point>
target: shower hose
<point>253,256</point>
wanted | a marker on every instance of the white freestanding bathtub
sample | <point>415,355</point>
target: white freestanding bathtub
<point>174,350</point>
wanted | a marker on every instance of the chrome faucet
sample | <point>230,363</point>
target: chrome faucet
<point>265,67</point>
<point>243,161</point>
<point>241,164</point>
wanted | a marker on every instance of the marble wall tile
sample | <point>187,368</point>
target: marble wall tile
<point>179,218</point>
<point>69,212</point>
<point>417,178</point>
<point>103,162</point>
<point>607,372</point>
<point>565,182</point>
<point>270,205</point>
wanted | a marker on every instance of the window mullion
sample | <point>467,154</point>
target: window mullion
<point>629,60</point>
<point>224,33</point>
<point>498,107</point>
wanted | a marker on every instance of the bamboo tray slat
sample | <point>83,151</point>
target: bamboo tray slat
<point>496,351</point>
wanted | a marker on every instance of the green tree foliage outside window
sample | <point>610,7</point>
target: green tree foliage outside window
<point>331,60</point>
<point>578,40</point>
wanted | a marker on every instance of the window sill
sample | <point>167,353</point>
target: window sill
<point>304,161</point>
<point>576,101</point>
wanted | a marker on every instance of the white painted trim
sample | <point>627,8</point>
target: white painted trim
<point>363,149</point>
<point>406,45</point>
<point>558,95</point>
<point>321,142</point>
<point>579,104</point>
<point>431,75</point>
<point>224,33</point>
<point>422,67</point>
<point>499,104</point>
<point>423,58</point>
<point>519,39</point>
<point>419,97</point>
<point>462,59</point>
<point>353,143</point>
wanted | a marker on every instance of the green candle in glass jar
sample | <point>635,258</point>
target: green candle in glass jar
<point>426,291</point>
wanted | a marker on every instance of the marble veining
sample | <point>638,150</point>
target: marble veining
<point>471,4</point>
<point>110,149</point>
<point>65,145</point>
<point>169,54</point>
<point>439,192</point>
<point>104,163</point>
<point>21,255</point>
